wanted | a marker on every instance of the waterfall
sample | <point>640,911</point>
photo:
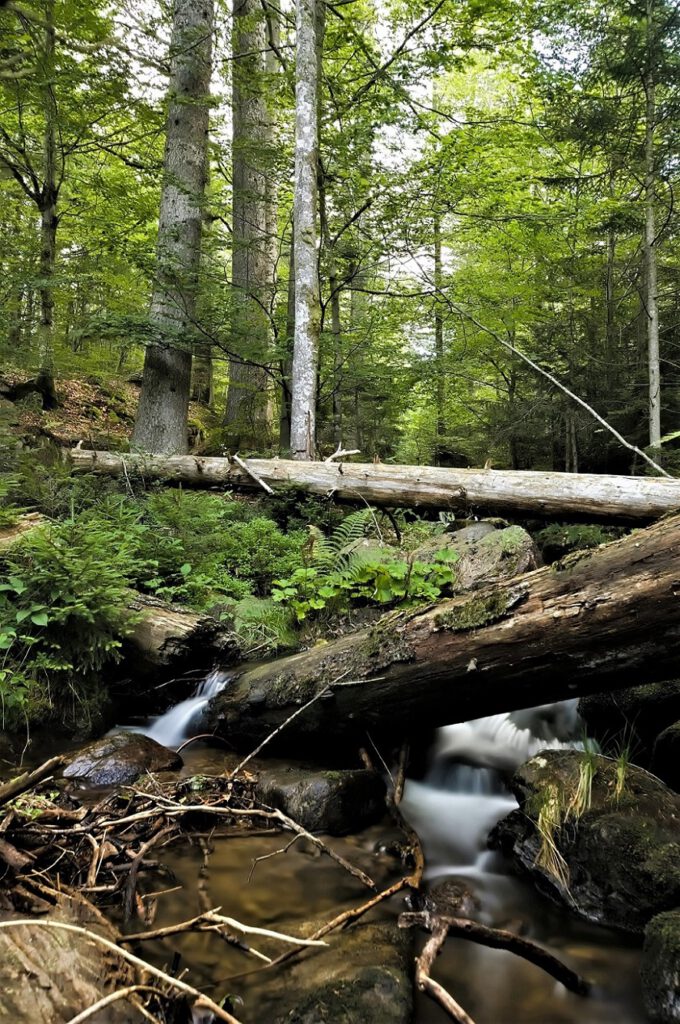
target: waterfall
<point>184,719</point>
<point>463,794</point>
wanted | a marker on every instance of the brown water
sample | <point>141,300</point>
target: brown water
<point>495,987</point>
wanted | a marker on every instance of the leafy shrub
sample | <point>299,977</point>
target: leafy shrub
<point>64,608</point>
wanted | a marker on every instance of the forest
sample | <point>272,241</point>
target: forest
<point>339,511</point>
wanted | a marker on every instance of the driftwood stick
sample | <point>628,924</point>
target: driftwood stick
<point>272,814</point>
<point>498,938</point>
<point>113,997</point>
<point>15,787</point>
<point>130,957</point>
<point>251,473</point>
<point>342,453</point>
<point>425,983</point>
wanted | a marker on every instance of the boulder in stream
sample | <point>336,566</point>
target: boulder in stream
<point>334,802</point>
<point>660,968</point>
<point>602,839</point>
<point>119,759</point>
<point>364,975</point>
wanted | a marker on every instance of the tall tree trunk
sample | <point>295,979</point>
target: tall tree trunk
<point>309,25</point>
<point>49,219</point>
<point>336,324</point>
<point>248,412</point>
<point>438,337</point>
<point>161,424</point>
<point>649,244</point>
<point>287,359</point>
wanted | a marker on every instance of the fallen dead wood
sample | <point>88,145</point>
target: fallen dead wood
<point>15,787</point>
<point>441,926</point>
<point>599,620</point>
<point>499,492</point>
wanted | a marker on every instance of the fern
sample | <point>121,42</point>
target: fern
<point>334,554</point>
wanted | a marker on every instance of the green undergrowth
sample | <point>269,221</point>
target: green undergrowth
<point>275,579</point>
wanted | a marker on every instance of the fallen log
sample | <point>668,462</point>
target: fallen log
<point>499,492</point>
<point>597,620</point>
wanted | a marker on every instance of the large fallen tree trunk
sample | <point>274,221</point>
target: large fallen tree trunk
<point>598,620</point>
<point>537,494</point>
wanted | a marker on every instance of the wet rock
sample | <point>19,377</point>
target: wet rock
<point>660,968</point>
<point>483,553</point>
<point>616,863</point>
<point>633,717</point>
<point>364,975</point>
<point>51,975</point>
<point>334,802</point>
<point>450,898</point>
<point>120,758</point>
<point>666,756</point>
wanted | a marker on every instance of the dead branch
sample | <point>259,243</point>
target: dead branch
<point>28,780</point>
<point>425,983</point>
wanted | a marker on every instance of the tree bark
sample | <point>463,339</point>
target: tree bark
<point>649,244</point>
<point>577,495</point>
<point>166,633</point>
<point>248,412</point>
<point>49,220</point>
<point>600,620</point>
<point>309,22</point>
<point>161,424</point>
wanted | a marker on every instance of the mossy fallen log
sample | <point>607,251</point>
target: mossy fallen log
<point>498,492</point>
<point>595,621</point>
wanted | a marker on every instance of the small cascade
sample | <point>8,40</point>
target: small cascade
<point>180,722</point>
<point>464,794</point>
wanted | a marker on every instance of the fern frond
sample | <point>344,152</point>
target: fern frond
<point>334,553</point>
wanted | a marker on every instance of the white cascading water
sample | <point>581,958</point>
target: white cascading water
<point>184,719</point>
<point>463,794</point>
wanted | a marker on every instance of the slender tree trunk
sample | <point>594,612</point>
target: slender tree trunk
<point>649,247</point>
<point>49,219</point>
<point>202,374</point>
<point>248,412</point>
<point>287,360</point>
<point>161,424</point>
<point>336,324</point>
<point>438,338</point>
<point>309,24</point>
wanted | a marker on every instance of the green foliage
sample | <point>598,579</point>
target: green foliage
<point>263,627</point>
<point>559,539</point>
<point>63,611</point>
<point>364,581</point>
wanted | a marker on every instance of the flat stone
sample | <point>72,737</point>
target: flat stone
<point>333,802</point>
<point>119,759</point>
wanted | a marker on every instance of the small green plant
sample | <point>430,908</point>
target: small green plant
<point>364,580</point>
<point>548,822</point>
<point>581,798</point>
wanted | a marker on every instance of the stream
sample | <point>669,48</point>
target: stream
<point>453,809</point>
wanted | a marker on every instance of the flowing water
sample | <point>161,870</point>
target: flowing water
<point>184,719</point>
<point>453,809</point>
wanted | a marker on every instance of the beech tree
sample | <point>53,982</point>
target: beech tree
<point>161,424</point>
<point>309,27</point>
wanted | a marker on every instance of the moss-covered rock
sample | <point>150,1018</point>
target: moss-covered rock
<point>666,756</point>
<point>335,802</point>
<point>561,539</point>
<point>481,553</point>
<point>602,837</point>
<point>660,968</point>
<point>364,975</point>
